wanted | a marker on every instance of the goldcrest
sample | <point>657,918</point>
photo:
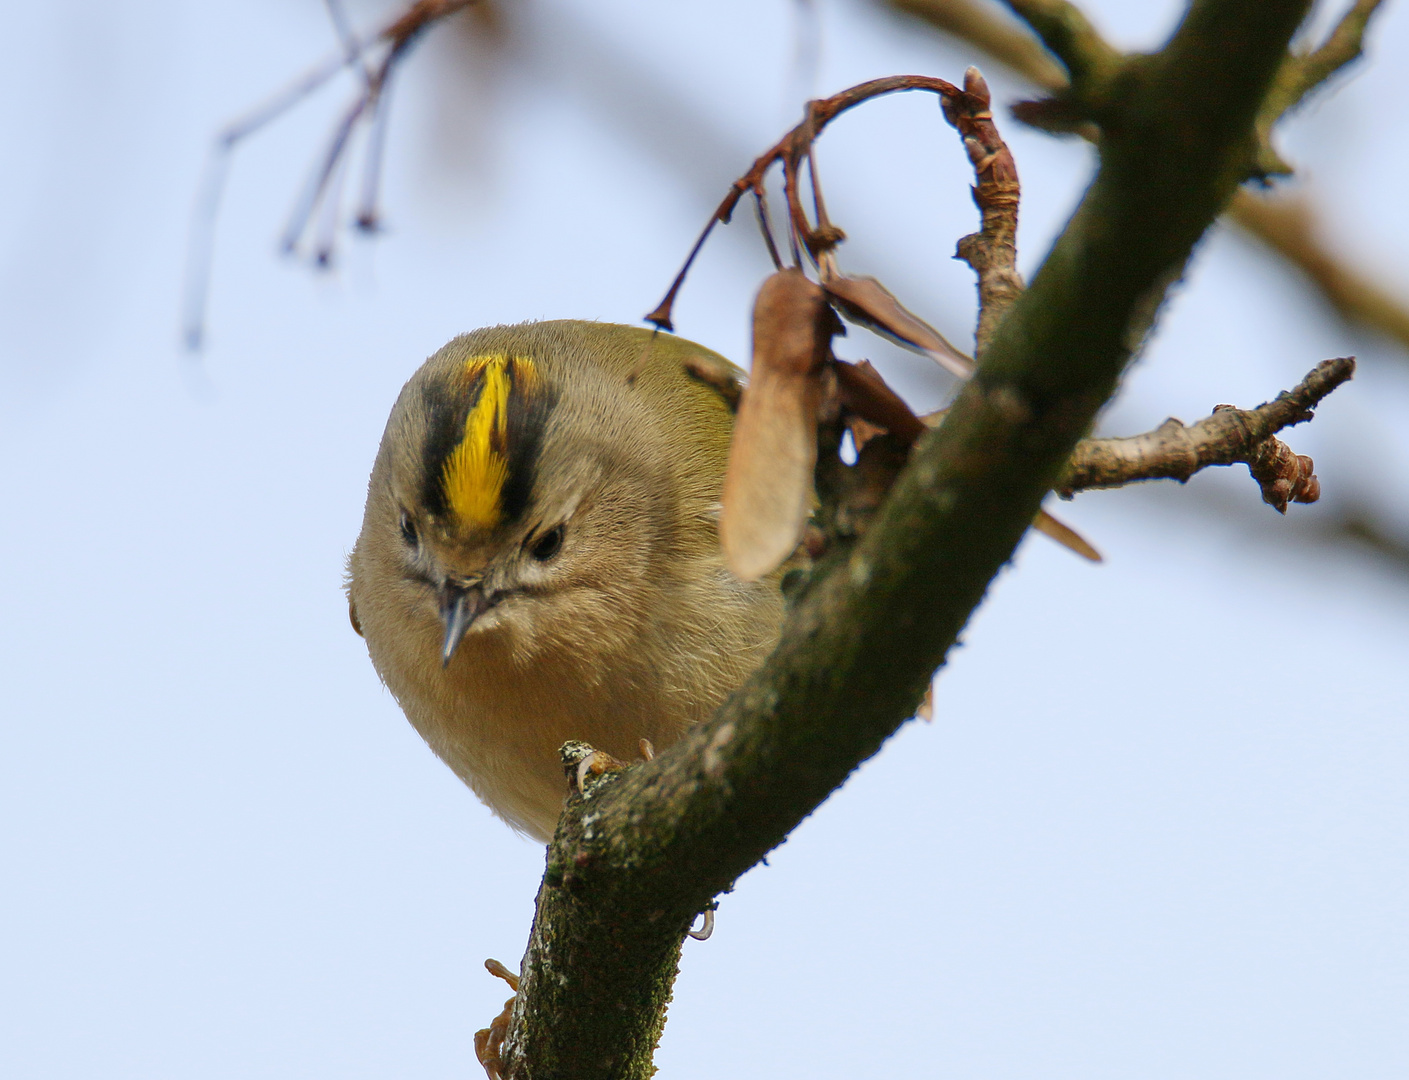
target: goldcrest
<point>539,558</point>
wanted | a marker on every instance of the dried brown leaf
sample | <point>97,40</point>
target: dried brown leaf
<point>865,394</point>
<point>1065,535</point>
<point>866,302</point>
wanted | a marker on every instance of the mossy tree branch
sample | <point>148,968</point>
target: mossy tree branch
<point>1068,33</point>
<point>644,850</point>
<point>1303,72</point>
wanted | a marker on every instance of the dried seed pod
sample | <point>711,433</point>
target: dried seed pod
<point>768,484</point>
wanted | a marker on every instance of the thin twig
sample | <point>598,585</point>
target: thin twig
<point>397,36</point>
<point>368,217</point>
<point>200,247</point>
<point>1230,436</point>
<point>352,48</point>
<point>993,250</point>
<point>317,184</point>
<point>789,151</point>
<point>760,202</point>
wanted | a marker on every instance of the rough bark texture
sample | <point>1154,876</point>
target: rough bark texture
<point>647,848</point>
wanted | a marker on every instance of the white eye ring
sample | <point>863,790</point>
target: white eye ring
<point>408,531</point>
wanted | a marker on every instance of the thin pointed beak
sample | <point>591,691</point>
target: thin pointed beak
<point>460,606</point>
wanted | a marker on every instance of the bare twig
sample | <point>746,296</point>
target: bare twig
<point>993,250</point>
<point>368,108</point>
<point>317,184</point>
<point>1228,437</point>
<point>351,46</point>
<point>790,151</point>
<point>765,226</point>
<point>201,245</point>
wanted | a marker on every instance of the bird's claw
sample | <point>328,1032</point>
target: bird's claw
<point>706,927</point>
<point>595,764</point>
<point>489,1041</point>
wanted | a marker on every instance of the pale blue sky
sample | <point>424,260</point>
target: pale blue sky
<point>1157,828</point>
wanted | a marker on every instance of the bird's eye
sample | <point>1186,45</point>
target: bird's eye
<point>408,530</point>
<point>547,545</point>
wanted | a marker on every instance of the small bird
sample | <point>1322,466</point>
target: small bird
<point>539,558</point>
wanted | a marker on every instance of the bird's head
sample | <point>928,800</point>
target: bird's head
<point>516,493</point>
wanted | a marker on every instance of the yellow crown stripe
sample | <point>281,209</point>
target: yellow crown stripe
<point>474,474</point>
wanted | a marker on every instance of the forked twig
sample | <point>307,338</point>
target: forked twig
<point>1228,437</point>
<point>789,151</point>
<point>324,186</point>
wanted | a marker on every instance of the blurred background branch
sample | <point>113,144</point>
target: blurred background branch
<point>1287,225</point>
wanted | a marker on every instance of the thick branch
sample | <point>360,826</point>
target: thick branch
<point>1228,437</point>
<point>789,151</point>
<point>651,846</point>
<point>1065,30</point>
